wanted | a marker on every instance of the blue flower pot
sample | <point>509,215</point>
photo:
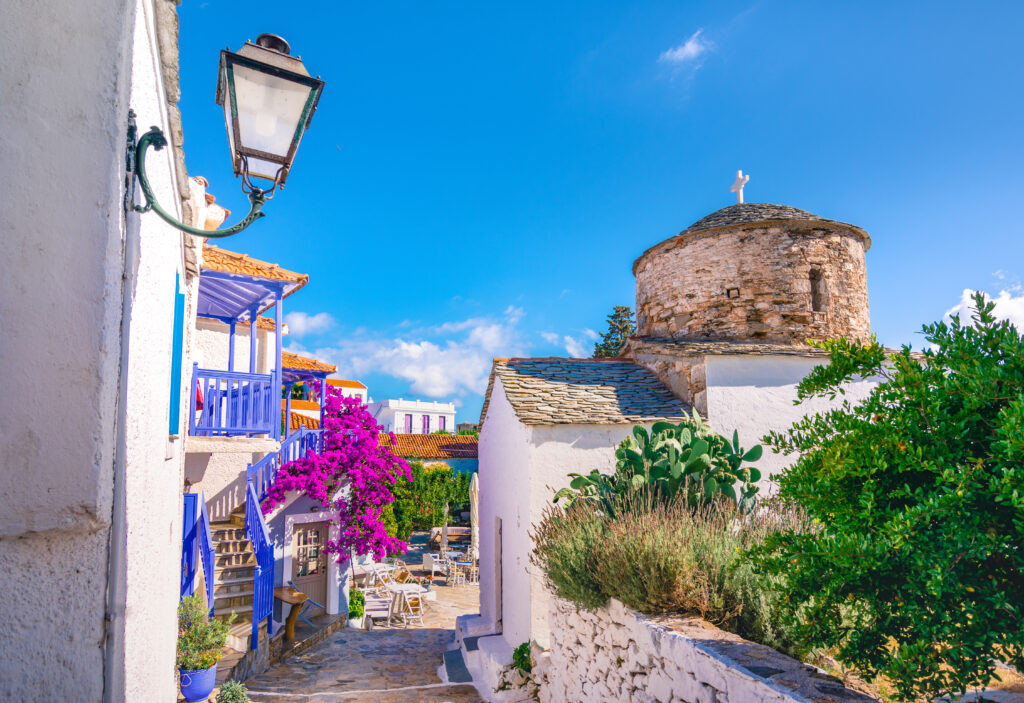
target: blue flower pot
<point>198,685</point>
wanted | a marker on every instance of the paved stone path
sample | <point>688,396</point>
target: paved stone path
<point>386,665</point>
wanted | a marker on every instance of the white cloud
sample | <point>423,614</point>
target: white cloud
<point>688,52</point>
<point>576,346</point>
<point>301,323</point>
<point>449,360</point>
<point>1009,306</point>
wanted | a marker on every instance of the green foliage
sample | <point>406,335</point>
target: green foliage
<point>200,639</point>
<point>356,604</point>
<point>917,571</point>
<point>521,658</point>
<point>469,433</point>
<point>659,557</point>
<point>620,328</point>
<point>440,432</point>
<point>687,460</point>
<point>427,501</point>
<point>233,692</point>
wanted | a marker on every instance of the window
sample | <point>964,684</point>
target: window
<point>426,424</point>
<point>819,292</point>
<point>441,423</point>
<point>408,424</point>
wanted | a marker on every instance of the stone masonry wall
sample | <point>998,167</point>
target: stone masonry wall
<point>754,283</point>
<point>685,376</point>
<point>615,654</point>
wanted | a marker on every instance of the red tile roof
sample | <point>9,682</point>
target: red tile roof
<point>299,422</point>
<point>343,383</point>
<point>304,363</point>
<point>217,259</point>
<point>432,446</point>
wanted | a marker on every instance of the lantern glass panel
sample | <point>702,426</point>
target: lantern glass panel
<point>270,109</point>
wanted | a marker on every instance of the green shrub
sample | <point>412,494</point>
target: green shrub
<point>356,604</point>
<point>521,658</point>
<point>917,572</point>
<point>233,692</point>
<point>436,490</point>
<point>659,557</point>
<point>200,639</point>
<point>564,549</point>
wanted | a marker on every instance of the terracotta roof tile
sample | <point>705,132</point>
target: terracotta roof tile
<point>557,391</point>
<point>344,383</point>
<point>301,404</point>
<point>304,363</point>
<point>432,446</point>
<point>299,422</point>
<point>217,259</point>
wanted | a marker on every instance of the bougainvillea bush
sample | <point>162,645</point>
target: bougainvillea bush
<point>351,456</point>
<point>917,570</point>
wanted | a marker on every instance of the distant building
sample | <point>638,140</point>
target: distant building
<point>350,389</point>
<point>413,416</point>
<point>457,451</point>
<point>467,426</point>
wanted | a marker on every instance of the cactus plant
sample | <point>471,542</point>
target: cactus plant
<point>688,460</point>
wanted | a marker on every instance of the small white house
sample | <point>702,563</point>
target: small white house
<point>350,388</point>
<point>413,416</point>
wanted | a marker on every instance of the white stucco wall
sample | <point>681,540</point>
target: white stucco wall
<point>521,468</point>
<point>213,340</point>
<point>754,394</point>
<point>90,484</point>
<point>504,475</point>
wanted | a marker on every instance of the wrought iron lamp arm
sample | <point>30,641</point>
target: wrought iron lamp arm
<point>155,138</point>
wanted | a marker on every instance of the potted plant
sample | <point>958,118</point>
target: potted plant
<point>356,609</point>
<point>200,644</point>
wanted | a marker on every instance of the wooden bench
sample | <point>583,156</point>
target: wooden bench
<point>294,598</point>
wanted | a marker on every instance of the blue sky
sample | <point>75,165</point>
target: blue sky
<point>479,177</point>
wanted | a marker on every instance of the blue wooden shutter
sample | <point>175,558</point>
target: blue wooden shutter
<point>174,417</point>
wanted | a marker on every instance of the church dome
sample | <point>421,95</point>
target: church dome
<point>752,213</point>
<point>756,272</point>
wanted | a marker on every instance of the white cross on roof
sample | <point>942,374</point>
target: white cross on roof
<point>737,186</point>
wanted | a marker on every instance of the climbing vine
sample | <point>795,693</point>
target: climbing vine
<point>352,456</point>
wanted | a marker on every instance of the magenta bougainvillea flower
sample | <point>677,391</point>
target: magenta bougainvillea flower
<point>352,456</point>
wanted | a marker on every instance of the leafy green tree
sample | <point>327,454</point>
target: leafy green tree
<point>620,328</point>
<point>917,569</point>
<point>435,492</point>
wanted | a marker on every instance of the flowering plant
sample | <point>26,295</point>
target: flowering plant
<point>200,639</point>
<point>352,456</point>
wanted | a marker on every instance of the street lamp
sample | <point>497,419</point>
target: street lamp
<point>269,99</point>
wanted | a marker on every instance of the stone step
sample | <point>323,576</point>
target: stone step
<point>228,603</point>
<point>232,545</point>
<point>226,530</point>
<point>235,559</point>
<point>244,612</point>
<point>233,580</point>
<point>221,593</point>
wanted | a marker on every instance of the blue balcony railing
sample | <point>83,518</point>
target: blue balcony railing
<point>196,547</point>
<point>231,403</point>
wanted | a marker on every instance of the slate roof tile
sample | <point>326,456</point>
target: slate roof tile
<point>557,391</point>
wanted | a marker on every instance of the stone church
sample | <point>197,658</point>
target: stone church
<point>724,312</point>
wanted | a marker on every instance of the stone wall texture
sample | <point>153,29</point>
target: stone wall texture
<point>753,282</point>
<point>615,654</point>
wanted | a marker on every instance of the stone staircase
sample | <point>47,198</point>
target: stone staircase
<point>234,566</point>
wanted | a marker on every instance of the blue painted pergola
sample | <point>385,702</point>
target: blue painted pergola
<point>237,403</point>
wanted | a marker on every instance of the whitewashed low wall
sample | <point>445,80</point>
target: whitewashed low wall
<point>616,654</point>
